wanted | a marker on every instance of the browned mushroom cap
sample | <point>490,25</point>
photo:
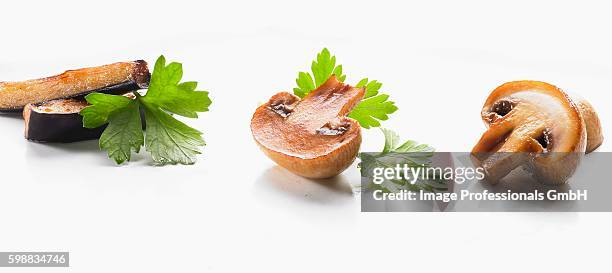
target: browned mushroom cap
<point>311,137</point>
<point>592,123</point>
<point>534,124</point>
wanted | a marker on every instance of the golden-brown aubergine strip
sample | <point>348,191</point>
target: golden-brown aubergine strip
<point>116,78</point>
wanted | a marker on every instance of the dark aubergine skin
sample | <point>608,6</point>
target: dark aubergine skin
<point>63,128</point>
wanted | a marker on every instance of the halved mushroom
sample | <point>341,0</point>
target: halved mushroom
<point>311,137</point>
<point>536,125</point>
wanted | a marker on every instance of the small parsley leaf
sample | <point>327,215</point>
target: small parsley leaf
<point>170,141</point>
<point>102,106</point>
<point>391,140</point>
<point>410,146</point>
<point>166,91</point>
<point>410,153</point>
<point>371,87</point>
<point>123,133</point>
<point>370,111</point>
<point>305,84</point>
<point>322,68</point>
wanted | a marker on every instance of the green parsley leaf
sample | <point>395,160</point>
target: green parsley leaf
<point>371,87</point>
<point>410,146</point>
<point>322,68</point>
<point>305,85</point>
<point>391,140</point>
<point>166,91</point>
<point>373,107</point>
<point>102,106</point>
<point>369,112</point>
<point>410,153</point>
<point>123,133</point>
<point>168,140</point>
<point>325,66</point>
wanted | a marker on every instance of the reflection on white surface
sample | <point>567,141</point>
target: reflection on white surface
<point>294,198</point>
<point>85,150</point>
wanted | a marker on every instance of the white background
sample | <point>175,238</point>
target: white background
<point>234,211</point>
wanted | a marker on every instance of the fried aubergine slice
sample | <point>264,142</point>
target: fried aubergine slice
<point>59,121</point>
<point>117,78</point>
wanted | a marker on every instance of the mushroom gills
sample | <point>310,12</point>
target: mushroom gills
<point>500,109</point>
<point>544,140</point>
<point>333,128</point>
<point>281,108</point>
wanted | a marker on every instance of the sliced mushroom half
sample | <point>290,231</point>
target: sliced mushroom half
<point>311,137</point>
<point>536,125</point>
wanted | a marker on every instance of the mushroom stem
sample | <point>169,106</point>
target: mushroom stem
<point>500,160</point>
<point>498,165</point>
<point>490,140</point>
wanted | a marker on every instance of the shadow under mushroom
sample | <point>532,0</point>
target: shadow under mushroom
<point>335,190</point>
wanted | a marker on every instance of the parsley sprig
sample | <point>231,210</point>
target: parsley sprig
<point>168,140</point>
<point>410,153</point>
<point>373,108</point>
